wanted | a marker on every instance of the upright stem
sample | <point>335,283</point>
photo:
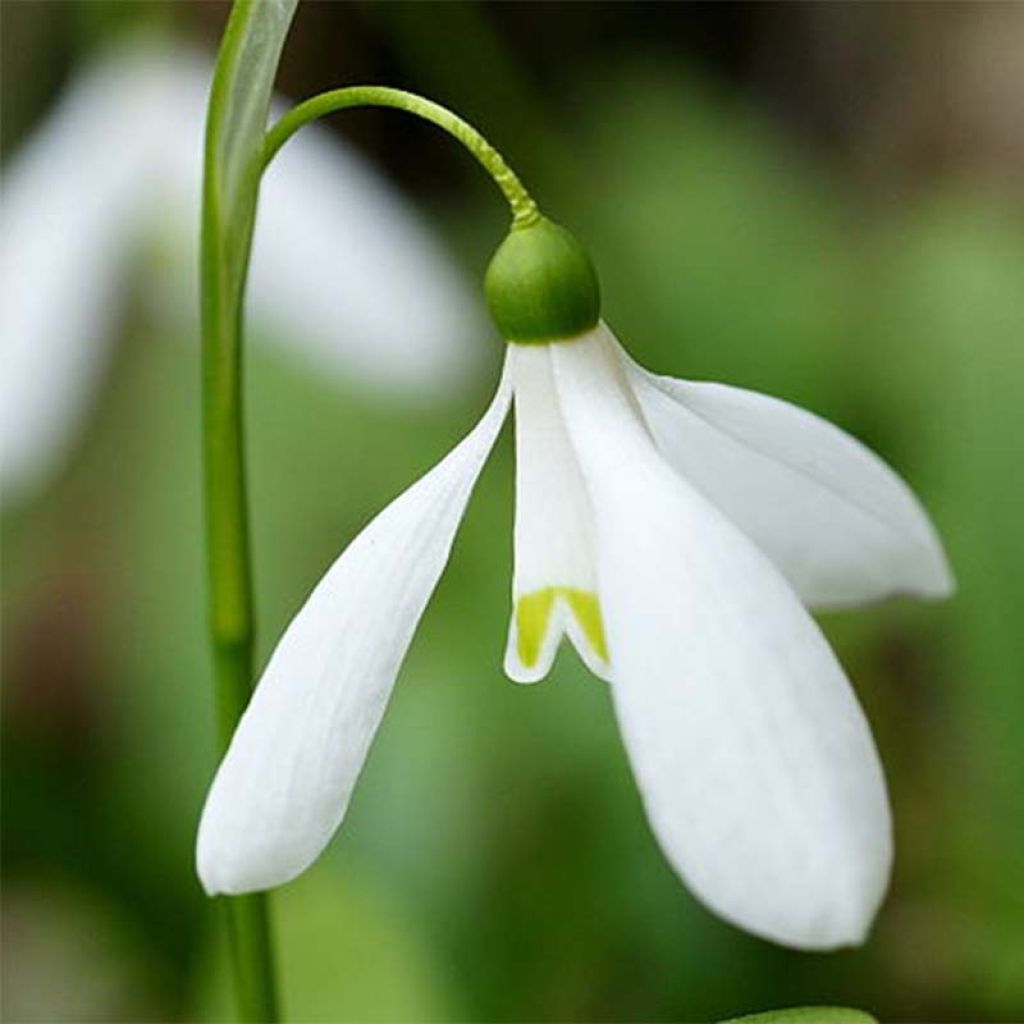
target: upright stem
<point>226,241</point>
<point>231,622</point>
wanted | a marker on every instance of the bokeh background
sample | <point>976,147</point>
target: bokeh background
<point>825,202</point>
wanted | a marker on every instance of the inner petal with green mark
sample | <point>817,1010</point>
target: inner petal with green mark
<point>533,620</point>
<point>554,586</point>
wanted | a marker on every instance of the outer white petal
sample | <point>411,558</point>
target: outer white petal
<point>554,560</point>
<point>833,517</point>
<point>754,760</point>
<point>285,782</point>
<point>70,206</point>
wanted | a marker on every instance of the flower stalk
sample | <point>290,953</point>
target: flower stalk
<point>524,209</point>
<point>237,114</point>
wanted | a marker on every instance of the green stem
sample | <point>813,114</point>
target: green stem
<point>524,209</point>
<point>230,188</point>
<point>231,603</point>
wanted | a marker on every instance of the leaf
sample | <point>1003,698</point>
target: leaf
<point>236,122</point>
<point>807,1015</point>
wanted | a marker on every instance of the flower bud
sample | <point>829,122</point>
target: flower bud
<point>541,285</point>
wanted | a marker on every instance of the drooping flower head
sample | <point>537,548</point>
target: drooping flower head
<point>676,533</point>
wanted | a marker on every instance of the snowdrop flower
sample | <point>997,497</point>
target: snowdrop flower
<point>119,160</point>
<point>674,531</point>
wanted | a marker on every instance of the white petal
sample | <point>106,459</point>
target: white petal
<point>841,526</point>
<point>69,212</point>
<point>554,588</point>
<point>284,785</point>
<point>754,760</point>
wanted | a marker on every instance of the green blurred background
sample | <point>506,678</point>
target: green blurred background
<point>824,202</point>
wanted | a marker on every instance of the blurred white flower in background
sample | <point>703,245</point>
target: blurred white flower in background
<point>343,274</point>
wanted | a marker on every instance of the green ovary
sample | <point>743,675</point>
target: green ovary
<point>534,610</point>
